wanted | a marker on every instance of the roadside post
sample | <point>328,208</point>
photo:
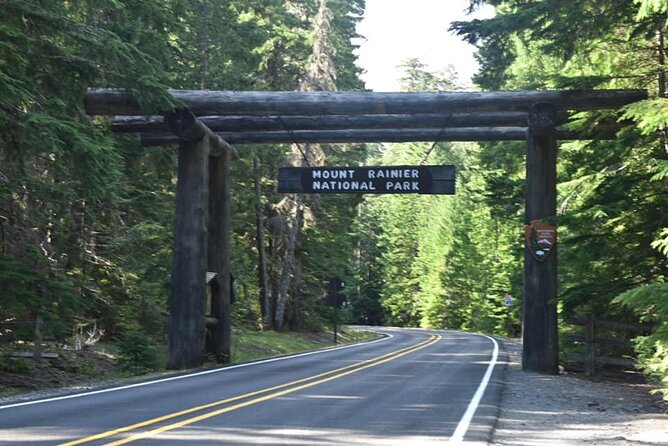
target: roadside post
<point>335,298</point>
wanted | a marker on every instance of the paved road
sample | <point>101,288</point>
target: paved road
<point>413,387</point>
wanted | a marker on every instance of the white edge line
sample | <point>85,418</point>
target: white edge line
<point>190,375</point>
<point>464,423</point>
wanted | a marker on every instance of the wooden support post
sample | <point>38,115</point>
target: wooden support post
<point>187,328</point>
<point>539,331</point>
<point>219,254</point>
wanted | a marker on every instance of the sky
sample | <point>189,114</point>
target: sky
<point>397,30</point>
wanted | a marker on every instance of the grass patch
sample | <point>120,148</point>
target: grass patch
<point>250,345</point>
<point>101,364</point>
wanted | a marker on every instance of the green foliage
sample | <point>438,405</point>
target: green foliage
<point>249,345</point>
<point>650,115</point>
<point>416,77</point>
<point>611,194</point>
<point>440,261</point>
<point>650,303</point>
<point>19,286</point>
<point>16,365</point>
<point>649,7</point>
<point>137,354</point>
<point>86,218</point>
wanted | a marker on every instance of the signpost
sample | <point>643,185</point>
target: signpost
<point>335,299</point>
<point>368,180</point>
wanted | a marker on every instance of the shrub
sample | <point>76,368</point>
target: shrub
<point>650,303</point>
<point>136,353</point>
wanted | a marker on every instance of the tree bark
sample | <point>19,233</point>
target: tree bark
<point>286,273</point>
<point>265,308</point>
<point>39,338</point>
<point>661,44</point>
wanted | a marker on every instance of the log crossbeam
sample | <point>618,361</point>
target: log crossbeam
<point>185,127</point>
<point>212,120</point>
<point>383,135</point>
<point>105,101</point>
<point>251,117</point>
<point>157,124</point>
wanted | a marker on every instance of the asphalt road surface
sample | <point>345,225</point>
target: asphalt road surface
<point>414,387</point>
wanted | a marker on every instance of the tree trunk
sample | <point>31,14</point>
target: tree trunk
<point>661,43</point>
<point>39,337</point>
<point>321,75</point>
<point>295,308</point>
<point>265,308</point>
<point>294,224</point>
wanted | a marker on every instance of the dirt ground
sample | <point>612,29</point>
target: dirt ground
<point>571,409</point>
<point>21,377</point>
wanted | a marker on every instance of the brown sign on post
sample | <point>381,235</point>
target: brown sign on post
<point>541,239</point>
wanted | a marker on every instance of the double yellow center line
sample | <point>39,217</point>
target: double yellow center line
<point>247,399</point>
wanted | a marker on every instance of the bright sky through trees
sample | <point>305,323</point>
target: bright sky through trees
<point>397,30</point>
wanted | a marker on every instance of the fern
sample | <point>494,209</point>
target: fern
<point>650,303</point>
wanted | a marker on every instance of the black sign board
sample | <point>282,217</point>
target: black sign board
<point>334,297</point>
<point>368,180</point>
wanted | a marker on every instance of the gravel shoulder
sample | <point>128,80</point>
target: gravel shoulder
<point>571,409</point>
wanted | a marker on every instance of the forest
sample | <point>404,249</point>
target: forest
<point>86,216</point>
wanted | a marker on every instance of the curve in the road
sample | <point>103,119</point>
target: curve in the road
<point>252,398</point>
<point>423,386</point>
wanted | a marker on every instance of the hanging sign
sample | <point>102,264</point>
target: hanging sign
<point>541,239</point>
<point>368,180</point>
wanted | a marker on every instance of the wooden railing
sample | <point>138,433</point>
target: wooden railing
<point>621,345</point>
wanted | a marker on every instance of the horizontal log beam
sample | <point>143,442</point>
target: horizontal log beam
<point>185,126</point>
<point>141,124</point>
<point>375,135</point>
<point>104,101</point>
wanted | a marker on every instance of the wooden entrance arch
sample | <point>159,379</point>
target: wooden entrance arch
<point>212,120</point>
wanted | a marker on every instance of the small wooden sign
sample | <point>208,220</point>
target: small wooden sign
<point>368,180</point>
<point>541,239</point>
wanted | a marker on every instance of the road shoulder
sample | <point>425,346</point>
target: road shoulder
<point>570,409</point>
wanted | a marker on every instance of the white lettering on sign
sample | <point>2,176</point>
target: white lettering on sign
<point>343,185</point>
<point>386,179</point>
<point>334,174</point>
<point>402,185</point>
<point>393,174</point>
